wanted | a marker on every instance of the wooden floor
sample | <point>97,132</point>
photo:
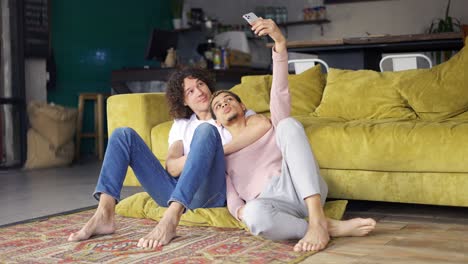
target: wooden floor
<point>428,235</point>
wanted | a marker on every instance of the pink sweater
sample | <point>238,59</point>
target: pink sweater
<point>250,169</point>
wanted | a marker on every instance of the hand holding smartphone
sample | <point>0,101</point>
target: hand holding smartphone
<point>250,17</point>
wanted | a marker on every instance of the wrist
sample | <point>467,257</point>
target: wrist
<point>280,47</point>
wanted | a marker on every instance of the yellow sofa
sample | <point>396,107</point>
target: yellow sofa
<point>396,136</point>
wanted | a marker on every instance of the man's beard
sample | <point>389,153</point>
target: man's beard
<point>234,116</point>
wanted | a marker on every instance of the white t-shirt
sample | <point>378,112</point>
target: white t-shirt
<point>183,129</point>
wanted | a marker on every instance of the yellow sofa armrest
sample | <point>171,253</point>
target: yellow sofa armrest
<point>140,111</point>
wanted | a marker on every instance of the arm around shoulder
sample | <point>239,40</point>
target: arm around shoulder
<point>257,126</point>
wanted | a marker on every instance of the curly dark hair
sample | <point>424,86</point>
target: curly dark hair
<point>175,89</point>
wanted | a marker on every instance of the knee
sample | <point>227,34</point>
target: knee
<point>290,127</point>
<point>206,130</point>
<point>122,132</point>
<point>258,216</point>
<point>289,124</point>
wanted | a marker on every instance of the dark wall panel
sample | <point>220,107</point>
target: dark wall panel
<point>91,38</point>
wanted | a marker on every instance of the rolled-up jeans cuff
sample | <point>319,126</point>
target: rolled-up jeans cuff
<point>175,200</point>
<point>97,196</point>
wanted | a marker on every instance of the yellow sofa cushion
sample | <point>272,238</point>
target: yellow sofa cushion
<point>462,116</point>
<point>362,94</point>
<point>437,188</point>
<point>440,92</point>
<point>254,92</point>
<point>305,88</point>
<point>141,205</point>
<point>390,145</point>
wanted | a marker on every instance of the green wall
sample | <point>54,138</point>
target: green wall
<point>92,38</point>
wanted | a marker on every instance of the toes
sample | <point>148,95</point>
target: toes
<point>305,246</point>
<point>140,242</point>
<point>150,243</point>
<point>71,237</point>
<point>75,237</point>
<point>143,242</point>
<point>298,246</point>
<point>368,221</point>
<point>315,247</point>
<point>156,244</point>
<point>147,244</point>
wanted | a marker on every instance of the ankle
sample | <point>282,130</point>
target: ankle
<point>318,223</point>
<point>105,212</point>
<point>175,208</point>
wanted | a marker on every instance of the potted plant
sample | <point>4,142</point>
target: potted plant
<point>176,7</point>
<point>441,25</point>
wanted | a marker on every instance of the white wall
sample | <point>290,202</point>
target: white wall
<point>396,17</point>
<point>35,80</point>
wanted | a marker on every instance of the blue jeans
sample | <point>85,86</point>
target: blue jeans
<point>202,183</point>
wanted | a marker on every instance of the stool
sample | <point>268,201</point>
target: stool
<point>98,133</point>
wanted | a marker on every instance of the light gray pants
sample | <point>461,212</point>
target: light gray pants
<point>278,212</point>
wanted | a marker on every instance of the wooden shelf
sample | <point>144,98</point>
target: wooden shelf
<point>305,22</point>
<point>319,22</point>
<point>119,78</point>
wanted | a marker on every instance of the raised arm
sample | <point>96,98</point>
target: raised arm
<point>280,100</point>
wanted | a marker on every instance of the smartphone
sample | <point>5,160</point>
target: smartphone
<point>250,18</point>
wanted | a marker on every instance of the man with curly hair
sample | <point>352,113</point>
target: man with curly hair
<point>194,176</point>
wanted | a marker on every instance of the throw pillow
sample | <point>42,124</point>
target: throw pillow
<point>254,91</point>
<point>141,205</point>
<point>362,94</point>
<point>440,92</point>
<point>305,88</point>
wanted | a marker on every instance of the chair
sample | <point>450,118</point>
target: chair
<point>301,65</point>
<point>98,134</point>
<point>403,62</point>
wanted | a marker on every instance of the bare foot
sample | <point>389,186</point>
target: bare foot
<point>316,238</point>
<point>352,227</point>
<point>101,223</point>
<point>162,234</point>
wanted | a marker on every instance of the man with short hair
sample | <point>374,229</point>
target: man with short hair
<point>274,183</point>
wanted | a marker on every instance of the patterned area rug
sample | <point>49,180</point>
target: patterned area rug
<point>45,242</point>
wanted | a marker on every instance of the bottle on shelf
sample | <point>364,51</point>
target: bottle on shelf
<point>217,59</point>
<point>224,59</point>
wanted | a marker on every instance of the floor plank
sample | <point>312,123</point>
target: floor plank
<point>427,235</point>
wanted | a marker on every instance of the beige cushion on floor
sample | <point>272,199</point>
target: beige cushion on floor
<point>55,123</point>
<point>42,154</point>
